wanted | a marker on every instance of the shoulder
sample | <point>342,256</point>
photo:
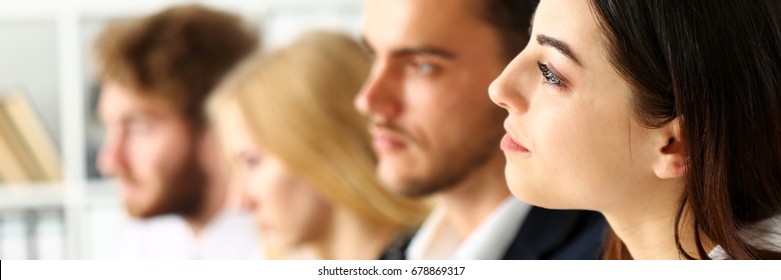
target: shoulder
<point>397,249</point>
<point>559,234</point>
<point>765,235</point>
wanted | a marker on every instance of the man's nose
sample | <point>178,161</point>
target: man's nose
<point>111,157</point>
<point>379,95</point>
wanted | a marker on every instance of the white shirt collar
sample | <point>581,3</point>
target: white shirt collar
<point>437,239</point>
<point>765,235</point>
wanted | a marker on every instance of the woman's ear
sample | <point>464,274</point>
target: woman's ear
<point>671,153</point>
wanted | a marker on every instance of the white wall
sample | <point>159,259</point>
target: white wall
<point>28,60</point>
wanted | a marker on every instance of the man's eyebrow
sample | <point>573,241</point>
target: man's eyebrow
<point>411,51</point>
<point>427,51</point>
<point>138,116</point>
<point>560,46</point>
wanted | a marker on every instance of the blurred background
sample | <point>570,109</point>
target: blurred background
<point>63,209</point>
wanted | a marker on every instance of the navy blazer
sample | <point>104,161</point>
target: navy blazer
<point>544,235</point>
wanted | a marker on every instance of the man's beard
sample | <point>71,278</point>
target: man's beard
<point>446,173</point>
<point>182,191</point>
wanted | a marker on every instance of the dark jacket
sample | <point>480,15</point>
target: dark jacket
<point>544,235</point>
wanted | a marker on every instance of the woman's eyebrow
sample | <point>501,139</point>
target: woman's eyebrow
<point>560,46</point>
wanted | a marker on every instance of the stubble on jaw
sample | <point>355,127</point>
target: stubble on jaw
<point>445,174</point>
<point>182,190</point>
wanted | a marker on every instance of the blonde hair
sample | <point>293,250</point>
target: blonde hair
<point>298,103</point>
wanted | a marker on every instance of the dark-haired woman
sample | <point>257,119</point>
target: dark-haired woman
<point>665,116</point>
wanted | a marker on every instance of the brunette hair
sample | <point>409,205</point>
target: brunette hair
<point>715,65</point>
<point>178,55</point>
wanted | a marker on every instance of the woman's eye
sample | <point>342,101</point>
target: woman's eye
<point>550,77</point>
<point>249,161</point>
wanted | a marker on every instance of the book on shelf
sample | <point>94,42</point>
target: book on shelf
<point>27,151</point>
<point>10,169</point>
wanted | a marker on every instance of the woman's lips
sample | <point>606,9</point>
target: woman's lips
<point>509,145</point>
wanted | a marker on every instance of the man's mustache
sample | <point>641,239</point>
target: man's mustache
<point>124,176</point>
<point>392,128</point>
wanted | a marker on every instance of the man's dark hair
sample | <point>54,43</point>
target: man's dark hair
<point>512,20</point>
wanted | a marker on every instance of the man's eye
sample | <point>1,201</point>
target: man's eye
<point>423,68</point>
<point>137,127</point>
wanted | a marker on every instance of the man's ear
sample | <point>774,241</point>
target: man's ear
<point>671,152</point>
<point>208,150</point>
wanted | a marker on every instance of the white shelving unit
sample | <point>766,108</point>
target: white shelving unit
<point>76,22</point>
<point>40,195</point>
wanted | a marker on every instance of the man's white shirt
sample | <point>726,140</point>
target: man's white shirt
<point>437,239</point>
<point>228,236</point>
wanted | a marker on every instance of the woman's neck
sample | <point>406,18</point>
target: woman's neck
<point>648,229</point>
<point>352,238</point>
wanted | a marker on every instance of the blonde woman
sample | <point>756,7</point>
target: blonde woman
<point>302,152</point>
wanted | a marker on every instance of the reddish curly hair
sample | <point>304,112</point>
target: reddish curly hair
<point>178,55</point>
